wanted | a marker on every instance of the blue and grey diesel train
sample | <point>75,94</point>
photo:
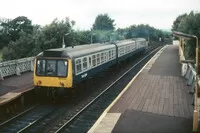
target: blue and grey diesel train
<point>66,67</point>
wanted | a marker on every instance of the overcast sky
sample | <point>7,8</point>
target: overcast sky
<point>157,13</point>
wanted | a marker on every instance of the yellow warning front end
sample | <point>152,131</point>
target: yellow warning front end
<point>53,72</point>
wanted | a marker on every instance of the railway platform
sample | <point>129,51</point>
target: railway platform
<point>14,86</point>
<point>155,101</point>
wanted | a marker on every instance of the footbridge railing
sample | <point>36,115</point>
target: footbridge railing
<point>16,67</point>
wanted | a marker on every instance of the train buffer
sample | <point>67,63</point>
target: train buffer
<point>14,86</point>
<point>156,100</point>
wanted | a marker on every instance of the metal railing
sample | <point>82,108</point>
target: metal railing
<point>189,73</point>
<point>16,67</point>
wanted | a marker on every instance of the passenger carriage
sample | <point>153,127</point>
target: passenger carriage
<point>66,67</point>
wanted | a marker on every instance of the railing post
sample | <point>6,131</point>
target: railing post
<point>17,68</point>
<point>32,64</point>
<point>1,75</point>
<point>184,69</point>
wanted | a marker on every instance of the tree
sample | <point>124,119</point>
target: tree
<point>83,37</point>
<point>177,22</point>
<point>189,24</point>
<point>4,32</point>
<point>103,22</point>
<point>145,31</point>
<point>25,46</point>
<point>53,33</point>
<point>10,29</point>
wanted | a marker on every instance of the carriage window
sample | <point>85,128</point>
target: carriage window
<point>113,54</point>
<point>129,49</point>
<point>110,56</point>
<point>126,49</point>
<point>133,47</point>
<point>78,66</point>
<point>102,57</point>
<point>98,59</point>
<point>84,63</point>
<point>122,51</point>
<point>90,62</point>
<point>94,60</point>
<point>105,56</point>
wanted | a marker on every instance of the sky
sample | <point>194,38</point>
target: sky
<point>157,13</point>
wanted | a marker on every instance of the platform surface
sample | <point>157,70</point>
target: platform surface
<point>157,101</point>
<point>13,86</point>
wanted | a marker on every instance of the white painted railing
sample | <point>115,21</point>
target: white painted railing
<point>16,67</point>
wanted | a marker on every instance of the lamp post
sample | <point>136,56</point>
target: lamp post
<point>63,43</point>
<point>111,35</point>
<point>91,38</point>
<point>196,113</point>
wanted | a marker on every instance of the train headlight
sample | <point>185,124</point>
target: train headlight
<point>39,82</point>
<point>62,84</point>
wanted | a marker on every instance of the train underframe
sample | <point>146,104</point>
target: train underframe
<point>49,93</point>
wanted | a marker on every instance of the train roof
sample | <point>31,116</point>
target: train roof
<point>81,50</point>
<point>129,41</point>
<point>77,51</point>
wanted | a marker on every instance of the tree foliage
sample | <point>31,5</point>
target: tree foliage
<point>10,29</point>
<point>19,38</point>
<point>52,34</point>
<point>177,22</point>
<point>188,24</point>
<point>142,30</point>
<point>29,40</point>
<point>103,22</point>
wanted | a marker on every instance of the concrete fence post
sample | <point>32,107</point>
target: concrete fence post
<point>184,69</point>
<point>17,68</point>
<point>32,64</point>
<point>1,75</point>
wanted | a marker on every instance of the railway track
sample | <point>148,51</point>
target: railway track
<point>25,119</point>
<point>68,117</point>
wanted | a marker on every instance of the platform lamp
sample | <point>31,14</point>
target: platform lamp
<point>91,38</point>
<point>111,36</point>
<point>63,43</point>
<point>196,113</point>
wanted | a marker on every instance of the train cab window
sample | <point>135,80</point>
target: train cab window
<point>84,63</point>
<point>62,68</point>
<point>78,66</point>
<point>40,70</point>
<point>94,61</point>
<point>51,68</point>
<point>98,59</point>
